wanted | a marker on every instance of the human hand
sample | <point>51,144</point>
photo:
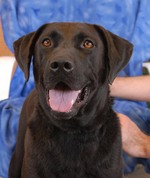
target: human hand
<point>135,142</point>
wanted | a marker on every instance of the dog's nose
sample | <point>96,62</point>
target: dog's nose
<point>61,65</point>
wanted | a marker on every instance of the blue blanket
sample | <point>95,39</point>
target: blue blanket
<point>128,19</point>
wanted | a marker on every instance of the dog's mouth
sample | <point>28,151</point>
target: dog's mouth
<point>64,100</point>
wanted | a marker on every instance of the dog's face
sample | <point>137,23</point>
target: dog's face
<point>71,61</point>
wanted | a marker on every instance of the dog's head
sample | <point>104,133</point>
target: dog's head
<point>71,62</point>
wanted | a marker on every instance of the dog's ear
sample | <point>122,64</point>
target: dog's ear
<point>119,52</point>
<point>23,49</point>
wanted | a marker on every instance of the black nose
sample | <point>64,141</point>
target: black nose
<point>61,65</point>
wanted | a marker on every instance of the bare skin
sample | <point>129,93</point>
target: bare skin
<point>133,88</point>
<point>135,142</point>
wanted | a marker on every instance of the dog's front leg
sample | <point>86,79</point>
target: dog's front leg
<point>17,158</point>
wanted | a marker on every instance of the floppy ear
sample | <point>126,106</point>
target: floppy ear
<point>119,52</point>
<point>23,49</point>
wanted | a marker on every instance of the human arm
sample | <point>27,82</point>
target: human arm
<point>132,88</point>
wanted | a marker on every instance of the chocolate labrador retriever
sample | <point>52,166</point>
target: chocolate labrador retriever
<point>67,127</point>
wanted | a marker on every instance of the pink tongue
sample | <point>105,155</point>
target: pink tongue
<point>62,101</point>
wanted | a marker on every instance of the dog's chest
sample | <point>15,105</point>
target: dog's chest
<point>62,152</point>
<point>69,146</point>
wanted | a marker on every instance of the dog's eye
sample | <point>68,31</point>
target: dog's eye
<point>47,42</point>
<point>88,44</point>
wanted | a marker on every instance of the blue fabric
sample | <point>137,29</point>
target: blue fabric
<point>9,116</point>
<point>128,19</point>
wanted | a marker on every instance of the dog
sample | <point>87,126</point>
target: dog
<point>67,127</point>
